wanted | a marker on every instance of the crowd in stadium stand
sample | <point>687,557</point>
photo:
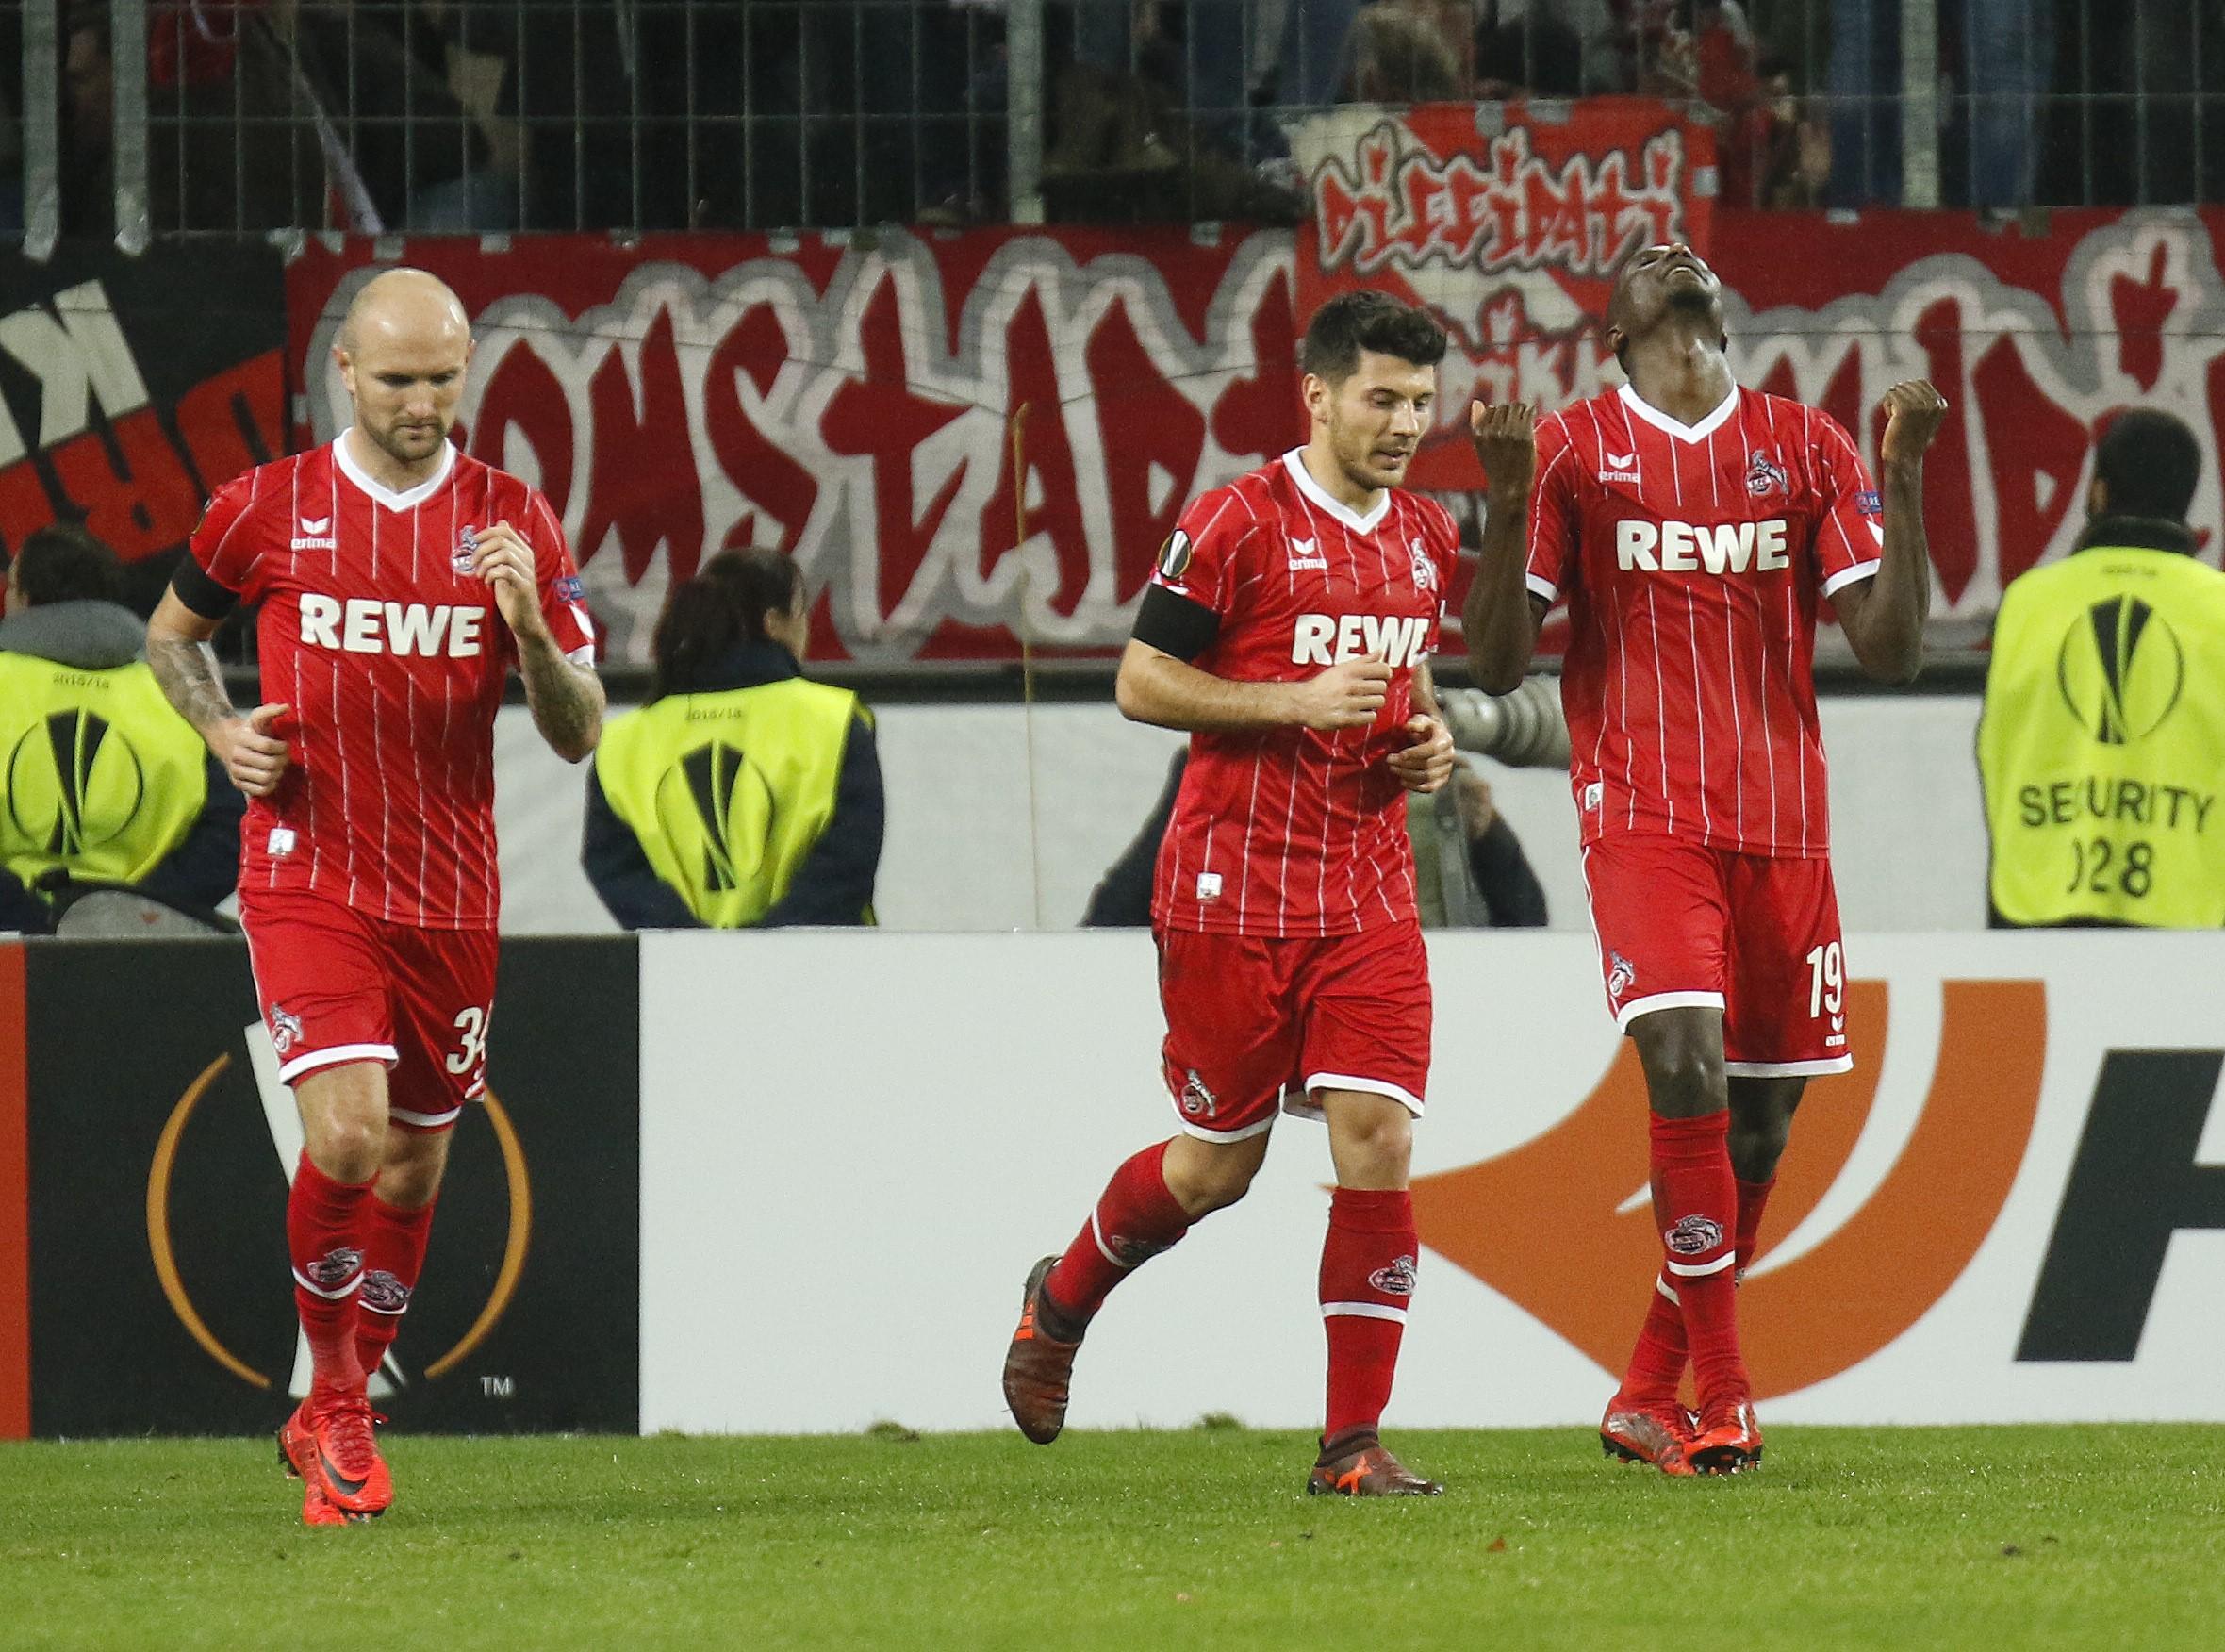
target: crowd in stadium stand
<point>488,115</point>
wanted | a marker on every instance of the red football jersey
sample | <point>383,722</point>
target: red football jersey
<point>1692,558</point>
<point>393,663</point>
<point>1290,831</point>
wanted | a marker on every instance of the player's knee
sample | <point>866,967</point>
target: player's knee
<point>1212,1178</point>
<point>411,1181</point>
<point>1378,1150</point>
<point>345,1147</point>
<point>1684,1079</point>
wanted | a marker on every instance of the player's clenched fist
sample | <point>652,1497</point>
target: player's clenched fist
<point>1912,413</point>
<point>250,751</point>
<point>505,560</point>
<point>1346,696</point>
<point>1426,762</point>
<point>1505,439</point>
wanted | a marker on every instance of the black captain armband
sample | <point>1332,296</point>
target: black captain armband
<point>1175,625</point>
<point>201,593</point>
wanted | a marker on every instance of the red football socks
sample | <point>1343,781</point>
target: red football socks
<point>1695,1207</point>
<point>1657,1365</point>
<point>325,1223</point>
<point>393,1256</point>
<point>1134,1220</point>
<point>1367,1278</point>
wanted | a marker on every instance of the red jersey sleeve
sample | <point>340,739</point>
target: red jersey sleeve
<point>1850,532</point>
<point>564,603</point>
<point>1554,514</point>
<point>1198,560</point>
<point>226,544</point>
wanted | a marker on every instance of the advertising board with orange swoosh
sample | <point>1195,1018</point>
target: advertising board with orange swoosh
<point>1999,1216</point>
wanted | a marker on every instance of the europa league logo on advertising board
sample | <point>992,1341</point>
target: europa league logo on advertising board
<point>163,1190</point>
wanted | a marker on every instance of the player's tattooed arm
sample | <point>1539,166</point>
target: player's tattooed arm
<point>1883,616</point>
<point>1500,618</point>
<point>566,700</point>
<point>177,653</point>
<point>1155,687</point>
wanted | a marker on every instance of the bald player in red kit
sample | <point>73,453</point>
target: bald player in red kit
<point>1692,528</point>
<point>1288,626</point>
<point>400,582</point>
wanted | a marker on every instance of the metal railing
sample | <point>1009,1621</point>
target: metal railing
<point>144,118</point>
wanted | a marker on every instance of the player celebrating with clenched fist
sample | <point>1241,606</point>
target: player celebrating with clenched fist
<point>1692,528</point>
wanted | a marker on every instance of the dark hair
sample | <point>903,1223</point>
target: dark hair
<point>64,562</point>
<point>1367,319</point>
<point>724,604</point>
<point>2149,462</point>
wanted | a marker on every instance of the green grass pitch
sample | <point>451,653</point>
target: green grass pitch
<point>1996,1539</point>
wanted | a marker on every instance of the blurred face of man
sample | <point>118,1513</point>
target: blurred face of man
<point>1373,419</point>
<point>403,361</point>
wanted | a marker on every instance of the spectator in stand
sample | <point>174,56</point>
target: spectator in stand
<point>108,786</point>
<point>1401,54</point>
<point>743,795</point>
<point>1537,53</point>
<point>207,69</point>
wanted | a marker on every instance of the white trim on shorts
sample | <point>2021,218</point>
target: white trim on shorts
<point>1789,1069</point>
<point>1666,1000</point>
<point>1204,1134</point>
<point>334,1054</point>
<point>1304,1106</point>
<point>424,1121</point>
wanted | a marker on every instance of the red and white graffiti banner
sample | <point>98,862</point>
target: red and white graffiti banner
<point>851,401</point>
<point>1507,221</point>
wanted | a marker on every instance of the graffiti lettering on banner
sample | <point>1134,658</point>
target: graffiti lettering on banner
<point>1508,223</point>
<point>851,401</point>
<point>132,388</point>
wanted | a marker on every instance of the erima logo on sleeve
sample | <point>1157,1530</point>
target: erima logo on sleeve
<point>367,625</point>
<point>1330,640</point>
<point>1686,548</point>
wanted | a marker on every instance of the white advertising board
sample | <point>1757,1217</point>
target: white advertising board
<point>854,1145</point>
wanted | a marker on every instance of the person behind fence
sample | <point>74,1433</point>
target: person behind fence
<point>104,783</point>
<point>743,795</point>
<point>2105,713</point>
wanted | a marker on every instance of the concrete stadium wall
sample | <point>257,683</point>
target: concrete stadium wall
<point>1908,837</point>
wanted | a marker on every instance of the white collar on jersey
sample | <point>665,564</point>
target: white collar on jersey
<point>1321,497</point>
<point>384,494</point>
<point>1660,420</point>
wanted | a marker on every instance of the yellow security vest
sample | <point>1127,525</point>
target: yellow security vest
<point>2101,745</point>
<point>102,776</point>
<point>728,791</point>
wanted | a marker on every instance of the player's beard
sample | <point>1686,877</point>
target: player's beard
<point>409,445</point>
<point>1355,452</point>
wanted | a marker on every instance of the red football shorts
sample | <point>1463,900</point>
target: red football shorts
<point>1756,936</point>
<point>336,986</point>
<point>1254,1024</point>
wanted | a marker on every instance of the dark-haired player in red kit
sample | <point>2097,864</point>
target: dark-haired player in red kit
<point>1288,626</point>
<point>1692,527</point>
<point>400,582</point>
